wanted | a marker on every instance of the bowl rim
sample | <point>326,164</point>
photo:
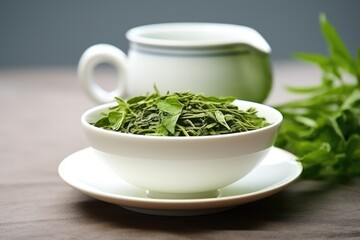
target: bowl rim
<point>105,106</point>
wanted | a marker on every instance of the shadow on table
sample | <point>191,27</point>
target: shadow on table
<point>279,208</point>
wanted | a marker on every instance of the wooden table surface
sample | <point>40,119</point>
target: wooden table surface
<point>40,112</point>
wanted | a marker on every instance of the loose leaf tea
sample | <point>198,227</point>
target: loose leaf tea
<point>179,114</point>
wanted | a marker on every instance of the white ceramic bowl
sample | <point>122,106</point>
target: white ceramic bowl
<point>182,167</point>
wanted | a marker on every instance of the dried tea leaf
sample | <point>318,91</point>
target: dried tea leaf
<point>179,114</point>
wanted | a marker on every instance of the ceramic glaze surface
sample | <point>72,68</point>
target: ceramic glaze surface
<point>85,172</point>
<point>182,165</point>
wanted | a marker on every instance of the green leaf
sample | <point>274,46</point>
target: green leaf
<point>116,119</point>
<point>305,90</point>
<point>335,43</point>
<point>358,59</point>
<point>221,119</point>
<point>121,103</point>
<point>318,156</point>
<point>161,130</point>
<point>353,147</point>
<point>102,122</point>
<point>169,122</point>
<point>211,115</point>
<point>218,99</point>
<point>136,99</point>
<point>335,126</point>
<point>351,100</point>
<point>170,105</point>
<point>157,92</point>
<point>323,129</point>
<point>338,51</point>
<point>319,59</point>
<point>173,108</point>
<point>306,121</point>
<point>166,115</point>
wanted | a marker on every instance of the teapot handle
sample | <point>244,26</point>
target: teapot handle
<point>93,56</point>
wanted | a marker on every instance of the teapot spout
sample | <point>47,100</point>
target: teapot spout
<point>250,37</point>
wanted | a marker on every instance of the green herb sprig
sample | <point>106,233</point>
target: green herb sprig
<point>179,114</point>
<point>323,129</point>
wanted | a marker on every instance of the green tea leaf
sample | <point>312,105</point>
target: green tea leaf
<point>157,92</point>
<point>136,99</point>
<point>169,122</point>
<point>170,105</point>
<point>102,122</point>
<point>221,119</point>
<point>218,99</point>
<point>179,114</point>
<point>121,103</point>
<point>161,130</point>
<point>116,119</point>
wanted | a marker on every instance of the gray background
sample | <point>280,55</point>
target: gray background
<point>55,33</point>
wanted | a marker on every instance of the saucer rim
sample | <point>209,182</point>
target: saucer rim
<point>181,204</point>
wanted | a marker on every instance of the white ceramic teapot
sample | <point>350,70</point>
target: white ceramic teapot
<point>209,58</point>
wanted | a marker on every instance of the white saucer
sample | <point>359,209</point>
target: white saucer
<point>83,171</point>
